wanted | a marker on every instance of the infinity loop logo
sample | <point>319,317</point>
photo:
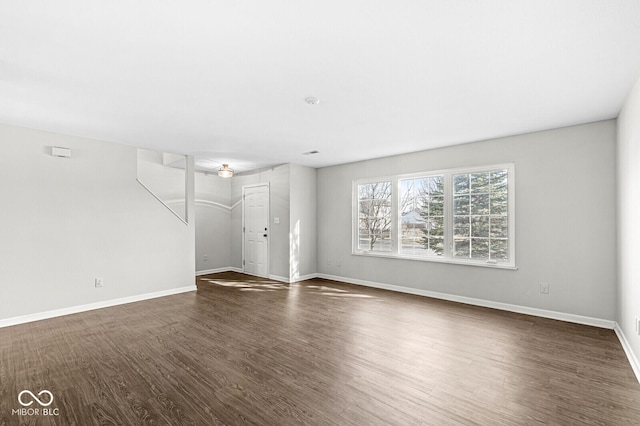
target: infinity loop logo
<point>44,404</point>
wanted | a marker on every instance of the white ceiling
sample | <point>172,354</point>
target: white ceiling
<point>227,80</point>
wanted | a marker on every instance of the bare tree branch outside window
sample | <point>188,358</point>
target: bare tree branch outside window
<point>374,215</point>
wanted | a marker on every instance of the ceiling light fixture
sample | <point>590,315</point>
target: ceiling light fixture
<point>311,152</point>
<point>225,171</point>
<point>312,100</point>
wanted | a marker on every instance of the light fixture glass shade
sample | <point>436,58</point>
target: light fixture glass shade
<point>225,171</point>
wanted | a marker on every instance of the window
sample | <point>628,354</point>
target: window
<point>422,216</point>
<point>374,216</point>
<point>480,221</point>
<point>460,216</point>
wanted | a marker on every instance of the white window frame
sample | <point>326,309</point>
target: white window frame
<point>356,212</point>
<point>447,256</point>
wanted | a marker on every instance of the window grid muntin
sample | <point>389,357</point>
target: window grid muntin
<point>479,198</point>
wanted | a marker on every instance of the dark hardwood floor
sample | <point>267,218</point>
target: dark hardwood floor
<point>242,350</point>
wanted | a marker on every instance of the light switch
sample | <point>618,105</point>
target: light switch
<point>276,220</point>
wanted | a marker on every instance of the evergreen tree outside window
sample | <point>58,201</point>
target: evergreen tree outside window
<point>480,221</point>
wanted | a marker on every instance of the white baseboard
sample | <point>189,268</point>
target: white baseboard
<point>293,280</point>
<point>271,277</point>
<point>305,277</point>
<point>212,271</point>
<point>91,306</point>
<point>633,360</point>
<point>241,271</point>
<point>579,319</point>
<point>218,270</point>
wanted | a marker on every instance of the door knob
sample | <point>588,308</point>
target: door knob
<point>264,235</point>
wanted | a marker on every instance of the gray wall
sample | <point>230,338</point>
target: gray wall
<point>65,221</point>
<point>302,232</point>
<point>278,179</point>
<point>212,222</point>
<point>629,218</point>
<point>565,222</point>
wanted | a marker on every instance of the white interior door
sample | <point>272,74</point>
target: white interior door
<point>256,232</point>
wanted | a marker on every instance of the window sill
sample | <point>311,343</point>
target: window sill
<point>438,260</point>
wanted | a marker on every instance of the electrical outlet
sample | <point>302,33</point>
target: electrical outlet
<point>99,282</point>
<point>544,288</point>
<point>204,257</point>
